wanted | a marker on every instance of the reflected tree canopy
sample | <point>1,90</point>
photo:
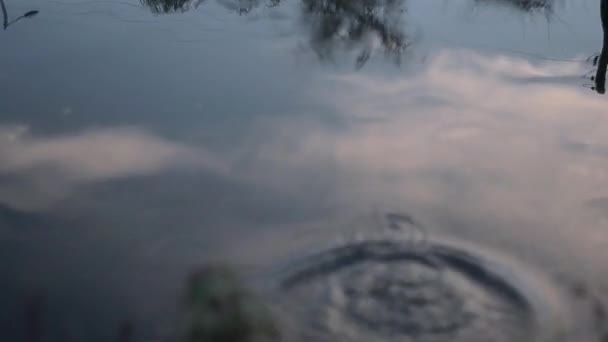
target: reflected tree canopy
<point>349,24</point>
<point>365,25</point>
<point>170,6</point>
<point>361,25</point>
<point>524,5</point>
<point>245,6</point>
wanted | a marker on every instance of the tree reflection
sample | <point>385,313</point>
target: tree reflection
<point>332,24</point>
<point>245,6</point>
<point>170,6</point>
<point>4,15</point>
<point>6,23</point>
<point>363,25</point>
<point>602,60</point>
<point>348,24</point>
<point>524,5</point>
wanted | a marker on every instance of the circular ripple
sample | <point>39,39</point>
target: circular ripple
<point>386,290</point>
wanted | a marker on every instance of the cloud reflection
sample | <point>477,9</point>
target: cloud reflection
<point>461,136</point>
<point>53,165</point>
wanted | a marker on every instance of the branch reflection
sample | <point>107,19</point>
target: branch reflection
<point>602,60</point>
<point>5,21</point>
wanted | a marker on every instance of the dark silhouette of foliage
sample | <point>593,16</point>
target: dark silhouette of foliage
<point>349,23</point>
<point>170,6</point>
<point>524,5</point>
<point>333,24</point>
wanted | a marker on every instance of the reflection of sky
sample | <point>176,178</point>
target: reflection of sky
<point>462,135</point>
<point>153,148</point>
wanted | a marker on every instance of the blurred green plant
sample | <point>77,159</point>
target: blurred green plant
<point>219,308</point>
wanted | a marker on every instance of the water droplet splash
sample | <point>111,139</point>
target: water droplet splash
<point>390,288</point>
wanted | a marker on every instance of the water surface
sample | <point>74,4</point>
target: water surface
<point>139,141</point>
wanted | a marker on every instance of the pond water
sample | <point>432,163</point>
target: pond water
<point>380,170</point>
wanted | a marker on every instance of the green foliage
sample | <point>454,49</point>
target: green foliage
<point>218,308</point>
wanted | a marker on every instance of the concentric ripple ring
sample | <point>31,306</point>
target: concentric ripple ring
<point>387,290</point>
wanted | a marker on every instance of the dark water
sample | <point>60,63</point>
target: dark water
<point>419,170</point>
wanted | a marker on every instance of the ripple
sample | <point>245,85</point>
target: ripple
<point>389,290</point>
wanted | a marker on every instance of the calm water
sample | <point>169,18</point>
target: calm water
<point>140,141</point>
